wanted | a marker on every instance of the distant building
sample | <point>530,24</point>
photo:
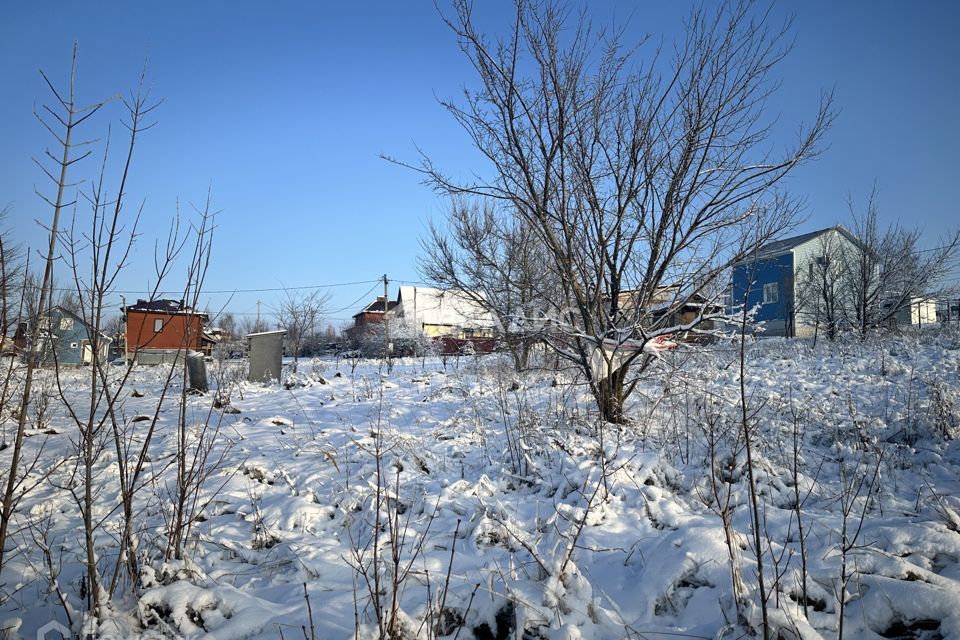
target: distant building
<point>452,320</point>
<point>439,313</point>
<point>668,306</point>
<point>369,318</point>
<point>162,330</point>
<point>671,312</point>
<point>62,338</point>
<point>769,279</point>
<point>448,318</point>
<point>918,311</point>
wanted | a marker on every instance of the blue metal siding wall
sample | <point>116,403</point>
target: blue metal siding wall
<point>749,278</point>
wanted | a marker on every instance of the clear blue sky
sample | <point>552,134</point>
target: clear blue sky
<point>283,108</point>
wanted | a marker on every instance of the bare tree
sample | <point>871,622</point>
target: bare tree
<point>10,271</point>
<point>633,180</point>
<point>301,314</point>
<point>227,323</point>
<point>197,456</point>
<point>247,325</point>
<point>97,249</point>
<point>864,277</point>
<point>494,260</point>
<point>724,443</point>
<point>748,425</point>
<point>822,286</point>
<point>890,270</point>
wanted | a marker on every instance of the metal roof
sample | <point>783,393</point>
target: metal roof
<point>163,306</point>
<point>779,247</point>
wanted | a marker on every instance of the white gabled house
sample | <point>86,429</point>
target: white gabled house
<point>439,313</point>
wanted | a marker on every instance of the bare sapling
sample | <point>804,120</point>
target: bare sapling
<point>197,456</point>
<point>858,482</point>
<point>746,424</point>
<point>440,621</point>
<point>386,548</point>
<point>516,425</point>
<point>227,373</point>
<point>96,253</point>
<point>66,116</point>
<point>132,436</point>
<point>41,532</point>
<point>724,445</point>
<point>800,498</point>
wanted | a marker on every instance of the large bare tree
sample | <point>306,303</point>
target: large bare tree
<point>643,179</point>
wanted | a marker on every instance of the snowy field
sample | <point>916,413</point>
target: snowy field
<point>462,500</point>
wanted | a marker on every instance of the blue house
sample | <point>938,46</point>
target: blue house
<point>63,338</point>
<point>770,279</point>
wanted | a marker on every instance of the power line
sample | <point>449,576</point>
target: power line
<point>268,289</point>
<point>358,300</point>
<point>330,315</point>
<point>940,248</point>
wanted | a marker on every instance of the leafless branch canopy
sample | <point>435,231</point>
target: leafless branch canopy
<point>633,174</point>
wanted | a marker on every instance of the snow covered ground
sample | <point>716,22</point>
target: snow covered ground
<point>487,504</point>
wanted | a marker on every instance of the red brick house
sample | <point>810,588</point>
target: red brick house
<point>370,316</point>
<point>159,330</point>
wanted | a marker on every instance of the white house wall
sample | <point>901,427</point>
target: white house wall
<point>833,243</point>
<point>920,312</point>
<point>420,306</point>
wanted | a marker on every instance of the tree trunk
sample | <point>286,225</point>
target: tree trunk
<point>609,396</point>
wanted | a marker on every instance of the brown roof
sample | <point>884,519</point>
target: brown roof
<point>377,307</point>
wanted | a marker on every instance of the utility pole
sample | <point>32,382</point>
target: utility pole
<point>386,320</point>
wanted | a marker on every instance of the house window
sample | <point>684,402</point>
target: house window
<point>819,261</point>
<point>771,293</point>
<point>158,325</point>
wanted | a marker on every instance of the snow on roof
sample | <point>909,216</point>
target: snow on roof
<point>266,333</point>
<point>426,305</point>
